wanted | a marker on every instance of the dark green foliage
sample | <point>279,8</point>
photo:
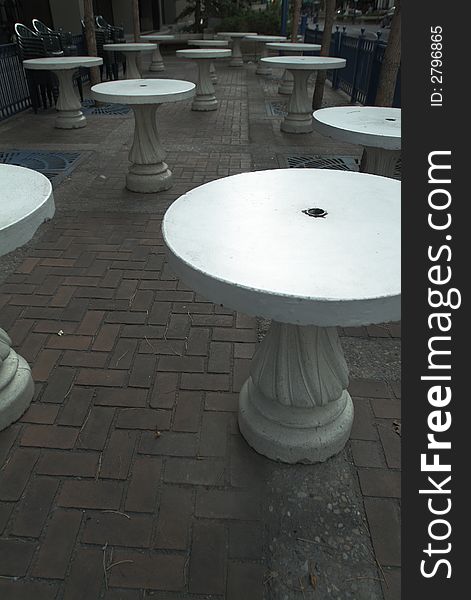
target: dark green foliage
<point>219,9</point>
<point>266,22</point>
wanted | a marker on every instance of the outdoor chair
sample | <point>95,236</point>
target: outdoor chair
<point>51,39</point>
<point>114,33</point>
<point>110,59</point>
<point>42,84</point>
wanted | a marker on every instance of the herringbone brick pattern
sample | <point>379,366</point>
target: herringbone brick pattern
<point>127,478</point>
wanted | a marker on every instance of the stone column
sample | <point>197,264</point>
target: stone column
<point>16,383</point>
<point>132,70</point>
<point>148,172</point>
<point>205,98</point>
<point>68,105</point>
<point>286,85</point>
<point>157,63</point>
<point>295,407</point>
<point>236,60</point>
<point>299,117</point>
<point>212,71</point>
<point>379,161</point>
<point>263,68</point>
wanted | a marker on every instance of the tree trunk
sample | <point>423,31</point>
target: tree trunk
<point>135,20</point>
<point>296,17</point>
<point>325,50</point>
<point>391,62</point>
<point>89,20</point>
<point>198,16</point>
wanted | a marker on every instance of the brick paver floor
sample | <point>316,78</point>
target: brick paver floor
<point>127,478</point>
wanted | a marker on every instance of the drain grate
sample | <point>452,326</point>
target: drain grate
<point>54,165</point>
<point>340,163</point>
<point>110,110</point>
<point>277,109</point>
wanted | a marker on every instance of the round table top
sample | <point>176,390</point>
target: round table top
<point>244,241</point>
<point>157,37</point>
<point>134,47</point>
<point>58,63</point>
<point>27,201</point>
<point>374,126</point>
<point>294,46</point>
<point>143,91</point>
<point>266,38</point>
<point>313,63</point>
<point>236,34</point>
<point>204,53</point>
<point>209,43</point>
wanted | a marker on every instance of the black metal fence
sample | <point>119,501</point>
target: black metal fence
<point>360,77</point>
<point>14,93</point>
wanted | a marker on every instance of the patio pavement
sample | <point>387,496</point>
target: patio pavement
<point>127,478</point>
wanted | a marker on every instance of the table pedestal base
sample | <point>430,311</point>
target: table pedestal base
<point>236,60</point>
<point>69,115</point>
<point>205,98</point>
<point>16,383</point>
<point>295,406</point>
<point>379,161</point>
<point>148,172</point>
<point>299,117</point>
<point>156,63</point>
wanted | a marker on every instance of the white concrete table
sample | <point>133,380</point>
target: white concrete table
<point>156,62</point>
<point>291,49</point>
<point>210,44</point>
<point>299,117</point>
<point>205,98</point>
<point>249,242</point>
<point>27,201</point>
<point>148,172</point>
<point>69,115</point>
<point>262,41</point>
<point>236,37</point>
<point>131,52</point>
<point>377,128</point>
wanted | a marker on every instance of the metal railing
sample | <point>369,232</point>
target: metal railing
<point>360,77</point>
<point>14,93</point>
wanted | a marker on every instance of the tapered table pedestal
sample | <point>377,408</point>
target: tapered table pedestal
<point>157,62</point>
<point>235,37</point>
<point>251,244</point>
<point>261,40</point>
<point>69,115</point>
<point>148,172</point>
<point>290,49</point>
<point>299,117</point>
<point>131,53</point>
<point>210,44</point>
<point>377,128</point>
<point>205,97</point>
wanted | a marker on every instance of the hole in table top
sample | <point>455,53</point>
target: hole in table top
<point>390,119</point>
<point>315,212</point>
